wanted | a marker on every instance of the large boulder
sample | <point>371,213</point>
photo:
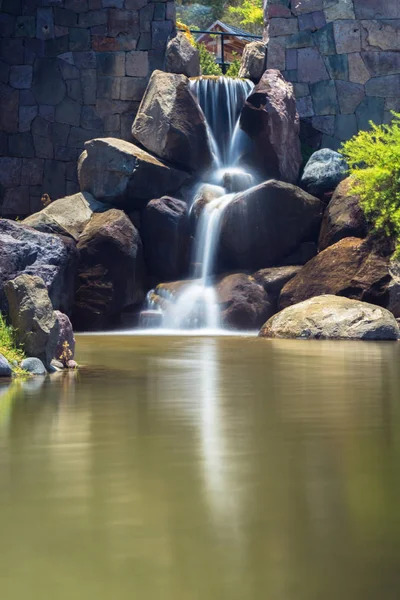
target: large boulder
<point>261,226</point>
<point>352,267</point>
<point>253,61</point>
<point>31,314</point>
<point>206,193</point>
<point>274,278</point>
<point>66,216</point>
<point>332,317</point>
<point>165,234</point>
<point>122,175</point>
<point>51,257</point>
<point>270,119</point>
<point>110,270</point>
<point>323,172</point>
<point>181,57</point>
<point>171,124</point>
<point>343,217</point>
<point>243,303</point>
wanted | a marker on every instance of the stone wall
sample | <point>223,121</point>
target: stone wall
<point>70,70</point>
<point>343,57</point>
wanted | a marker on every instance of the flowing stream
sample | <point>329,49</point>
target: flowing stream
<point>221,99</point>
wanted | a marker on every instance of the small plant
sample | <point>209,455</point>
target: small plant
<point>9,347</point>
<point>234,67</point>
<point>45,200</point>
<point>186,31</point>
<point>374,161</point>
<point>66,354</point>
<point>208,66</point>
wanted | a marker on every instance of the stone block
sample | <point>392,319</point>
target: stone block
<point>133,88</point>
<point>305,107</point>
<point>144,42</point>
<point>109,87</point>
<point>9,108</point>
<point>3,144</point>
<point>160,32</point>
<point>85,60</point>
<point>72,188</point>
<point>106,107</point>
<point>91,120</point>
<point>146,15</point>
<point>59,134</point>
<point>345,126</point>
<point>43,147</point>
<point>32,171</point>
<point>135,4</point>
<point>384,87</point>
<point>92,18</point>
<point>57,46</point>
<point>283,27</point>
<point>159,11</point>
<point>74,90</point>
<point>79,39</point>
<point>325,40</point>
<point>290,75</point>
<point>306,22</point>
<point>98,30</point>
<point>78,137</point>
<point>44,23</point>
<point>64,17</point>
<point>21,145</point>
<point>103,43</point>
<point>65,154</point>
<point>68,112</point>
<point>338,66</point>
<point>382,63</point>
<point>123,21</point>
<point>370,109</point>
<point>319,19</point>
<point>68,71</point>
<point>311,67</point>
<point>12,51</point>
<point>112,123</point>
<point>111,63</point>
<point>60,31</point>
<point>301,89</point>
<point>21,77</point>
<point>170,11</point>
<point>54,179</point>
<point>157,59</point>
<point>302,39</point>
<point>71,172</point>
<point>4,72</point>
<point>89,86</point>
<point>113,3</point>
<point>33,49</point>
<point>300,7</point>
<point>375,9</point>
<point>25,27</point>
<point>349,96</point>
<point>127,42</point>
<point>358,72</point>
<point>95,4</point>
<point>339,10</point>
<point>41,127</point>
<point>324,98</point>
<point>16,201</point>
<point>324,124</point>
<point>26,116</point>
<point>48,86</point>
<point>77,6</point>
<point>392,104</point>
<point>276,55</point>
<point>10,171</point>
<point>291,59</point>
<point>126,124</point>
<point>7,25</point>
<point>137,64</point>
<point>26,98</point>
<point>347,36</point>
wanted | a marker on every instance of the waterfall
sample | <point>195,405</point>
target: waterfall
<point>221,100</point>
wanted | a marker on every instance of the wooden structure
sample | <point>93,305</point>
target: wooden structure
<point>234,41</point>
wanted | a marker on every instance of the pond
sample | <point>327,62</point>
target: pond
<point>215,468</point>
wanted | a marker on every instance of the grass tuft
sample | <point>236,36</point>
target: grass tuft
<point>9,347</point>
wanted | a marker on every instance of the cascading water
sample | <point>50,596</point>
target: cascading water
<point>221,100</point>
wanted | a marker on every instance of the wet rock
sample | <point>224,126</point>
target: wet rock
<point>343,217</point>
<point>352,267</point>
<point>5,368</point>
<point>110,270</point>
<point>121,174</point>
<point>323,172</point>
<point>165,232</point>
<point>31,314</point>
<point>204,195</point>
<point>51,257</point>
<point>270,119</point>
<point>303,253</point>
<point>253,61</point>
<point>234,180</point>
<point>171,125</point>
<point>182,57</point>
<point>34,366</point>
<point>274,278</point>
<point>66,216</point>
<point>65,336</point>
<point>262,226</point>
<point>243,303</point>
<point>332,317</point>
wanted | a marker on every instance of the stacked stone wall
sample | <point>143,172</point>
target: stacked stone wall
<point>343,58</point>
<point>70,71</point>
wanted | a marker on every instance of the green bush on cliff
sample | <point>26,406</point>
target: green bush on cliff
<point>374,161</point>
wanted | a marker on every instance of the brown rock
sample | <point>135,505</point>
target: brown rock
<point>270,118</point>
<point>253,61</point>
<point>274,278</point>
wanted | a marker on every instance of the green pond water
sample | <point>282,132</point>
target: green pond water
<point>204,468</point>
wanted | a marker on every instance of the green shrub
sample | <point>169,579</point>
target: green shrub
<point>234,67</point>
<point>374,161</point>
<point>208,65</point>
<point>8,345</point>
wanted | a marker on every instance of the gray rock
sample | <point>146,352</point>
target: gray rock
<point>21,77</point>
<point>253,62</point>
<point>274,278</point>
<point>31,314</point>
<point>122,174</point>
<point>170,123</point>
<point>24,250</point>
<point>182,57</point>
<point>323,172</point>
<point>66,335</point>
<point>5,368</point>
<point>243,303</point>
<point>34,366</point>
<point>332,317</point>
<point>9,108</point>
<point>48,86</point>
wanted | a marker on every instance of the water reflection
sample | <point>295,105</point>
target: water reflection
<point>205,467</point>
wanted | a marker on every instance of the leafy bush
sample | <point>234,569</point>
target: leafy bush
<point>208,65</point>
<point>8,345</point>
<point>374,161</point>
<point>234,67</point>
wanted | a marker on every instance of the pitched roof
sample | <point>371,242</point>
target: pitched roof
<point>231,29</point>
